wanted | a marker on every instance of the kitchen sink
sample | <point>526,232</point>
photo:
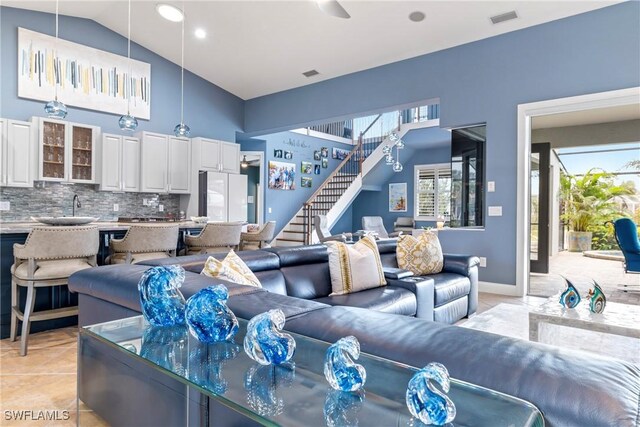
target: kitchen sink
<point>64,220</point>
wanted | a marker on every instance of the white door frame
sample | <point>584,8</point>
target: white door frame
<point>542,108</point>
<point>260,191</point>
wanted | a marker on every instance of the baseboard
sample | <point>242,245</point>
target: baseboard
<point>497,288</point>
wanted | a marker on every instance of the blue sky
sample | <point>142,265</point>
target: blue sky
<point>609,161</point>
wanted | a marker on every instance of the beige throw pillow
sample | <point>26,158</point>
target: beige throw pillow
<point>232,268</point>
<point>355,267</point>
<point>421,255</point>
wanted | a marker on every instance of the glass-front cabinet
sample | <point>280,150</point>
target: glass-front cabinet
<point>67,151</point>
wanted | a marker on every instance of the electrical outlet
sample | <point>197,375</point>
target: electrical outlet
<point>483,261</point>
<point>145,202</point>
<point>116,207</point>
<point>491,186</point>
<point>5,205</point>
<point>161,207</point>
<point>269,210</point>
<point>495,210</point>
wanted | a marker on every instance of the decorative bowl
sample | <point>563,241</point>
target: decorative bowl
<point>65,220</point>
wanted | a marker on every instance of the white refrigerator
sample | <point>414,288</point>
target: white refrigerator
<point>222,196</point>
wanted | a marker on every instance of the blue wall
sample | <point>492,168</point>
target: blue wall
<point>284,203</point>
<point>209,110</point>
<point>481,82</point>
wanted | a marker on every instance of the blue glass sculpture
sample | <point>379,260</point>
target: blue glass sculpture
<point>425,401</point>
<point>262,384</point>
<point>341,408</point>
<point>208,317</point>
<point>161,300</point>
<point>597,300</point>
<point>339,368</point>
<point>128,123</point>
<point>264,342</point>
<point>55,109</point>
<point>167,347</point>
<point>206,362</point>
<point>570,298</point>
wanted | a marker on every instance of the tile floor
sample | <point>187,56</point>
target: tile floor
<point>46,378</point>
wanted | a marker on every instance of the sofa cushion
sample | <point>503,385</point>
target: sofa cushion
<point>388,299</point>
<point>355,267</point>
<point>231,268</point>
<point>449,287</point>
<point>255,260</point>
<point>308,281</point>
<point>421,255</point>
<point>248,305</point>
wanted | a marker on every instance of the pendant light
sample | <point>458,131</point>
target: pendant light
<point>244,163</point>
<point>128,122</point>
<point>181,129</point>
<point>397,166</point>
<point>56,109</point>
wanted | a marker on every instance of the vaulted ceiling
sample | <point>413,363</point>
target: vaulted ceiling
<point>258,47</point>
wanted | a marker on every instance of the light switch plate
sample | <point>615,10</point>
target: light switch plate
<point>116,207</point>
<point>495,210</point>
<point>483,261</point>
<point>161,208</point>
<point>145,202</point>
<point>491,186</point>
<point>249,199</point>
<point>5,205</point>
<point>269,210</point>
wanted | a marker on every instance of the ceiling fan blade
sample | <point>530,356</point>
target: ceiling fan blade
<point>333,8</point>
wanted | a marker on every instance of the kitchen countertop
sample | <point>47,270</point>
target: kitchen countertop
<point>27,226</point>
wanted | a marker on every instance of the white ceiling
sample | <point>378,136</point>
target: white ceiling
<point>588,117</point>
<point>258,47</point>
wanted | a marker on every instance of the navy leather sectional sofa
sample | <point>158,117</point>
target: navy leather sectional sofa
<point>571,388</point>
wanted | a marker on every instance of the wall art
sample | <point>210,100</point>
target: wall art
<point>282,176</point>
<point>339,153</point>
<point>398,197</point>
<point>86,77</point>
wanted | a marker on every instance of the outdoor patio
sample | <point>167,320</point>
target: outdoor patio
<point>581,271</point>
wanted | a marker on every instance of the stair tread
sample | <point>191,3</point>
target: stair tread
<point>291,231</point>
<point>290,240</point>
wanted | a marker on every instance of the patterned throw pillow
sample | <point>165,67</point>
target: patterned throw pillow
<point>232,268</point>
<point>421,255</point>
<point>356,267</point>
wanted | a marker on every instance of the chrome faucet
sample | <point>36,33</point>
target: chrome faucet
<point>76,204</point>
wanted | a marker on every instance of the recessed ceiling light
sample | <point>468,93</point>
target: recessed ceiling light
<point>417,16</point>
<point>200,33</point>
<point>169,12</point>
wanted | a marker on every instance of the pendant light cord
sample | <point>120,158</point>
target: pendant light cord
<point>182,70</point>
<point>55,58</point>
<point>128,83</point>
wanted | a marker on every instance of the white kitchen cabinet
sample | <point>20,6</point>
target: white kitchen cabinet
<point>179,165</point>
<point>216,156</point>
<point>67,151</point>
<point>16,153</point>
<point>229,157</point>
<point>120,163</point>
<point>165,165</point>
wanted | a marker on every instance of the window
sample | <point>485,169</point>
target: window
<point>433,192</point>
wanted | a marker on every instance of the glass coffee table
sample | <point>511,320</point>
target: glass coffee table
<point>295,394</point>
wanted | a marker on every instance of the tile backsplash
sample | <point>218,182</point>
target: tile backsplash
<point>55,199</point>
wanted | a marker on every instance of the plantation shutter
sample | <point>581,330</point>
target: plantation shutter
<point>426,193</point>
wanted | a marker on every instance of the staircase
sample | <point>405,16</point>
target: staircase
<point>337,192</point>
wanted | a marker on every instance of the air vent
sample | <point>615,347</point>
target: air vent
<point>310,73</point>
<point>504,17</point>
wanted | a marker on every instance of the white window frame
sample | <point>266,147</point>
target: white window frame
<point>436,168</point>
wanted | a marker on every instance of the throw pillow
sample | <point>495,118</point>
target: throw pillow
<point>421,255</point>
<point>355,267</point>
<point>232,268</point>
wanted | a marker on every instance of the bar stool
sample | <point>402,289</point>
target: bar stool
<point>144,242</point>
<point>214,237</point>
<point>48,257</point>
<point>258,239</point>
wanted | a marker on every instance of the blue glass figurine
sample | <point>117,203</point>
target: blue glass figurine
<point>339,368</point>
<point>570,298</point>
<point>161,300</point>
<point>264,342</point>
<point>208,317</point>
<point>425,401</point>
<point>597,300</point>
